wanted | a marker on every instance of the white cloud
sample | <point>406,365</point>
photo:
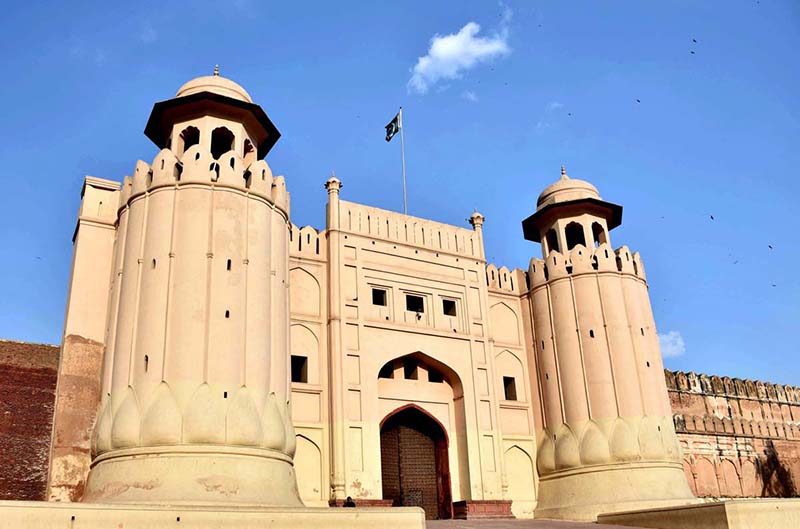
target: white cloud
<point>671,344</point>
<point>449,56</point>
<point>469,95</point>
<point>544,122</point>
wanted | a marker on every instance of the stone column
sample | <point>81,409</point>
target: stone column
<point>336,348</point>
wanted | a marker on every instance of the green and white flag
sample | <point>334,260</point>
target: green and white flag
<point>394,126</point>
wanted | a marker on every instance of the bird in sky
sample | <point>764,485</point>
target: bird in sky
<point>712,217</point>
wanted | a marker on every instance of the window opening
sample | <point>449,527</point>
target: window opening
<point>435,376</point>
<point>386,371</point>
<point>249,153</point>
<point>510,388</point>
<point>410,371</point>
<point>415,303</point>
<point>449,307</point>
<point>299,369</point>
<point>379,297</point>
<point>189,138</point>
<point>552,240</point>
<point>598,233</point>
<point>574,232</point>
<point>221,142</point>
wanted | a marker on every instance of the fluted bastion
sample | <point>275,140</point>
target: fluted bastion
<point>607,434</point>
<point>195,387</point>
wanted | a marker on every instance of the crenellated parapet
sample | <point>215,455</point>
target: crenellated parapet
<point>405,229</point>
<point>196,167</point>
<point>507,281</point>
<point>306,242</point>
<point>582,260</point>
<point>691,382</point>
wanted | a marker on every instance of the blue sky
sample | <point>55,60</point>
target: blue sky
<point>489,118</point>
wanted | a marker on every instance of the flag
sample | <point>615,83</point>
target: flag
<point>394,126</point>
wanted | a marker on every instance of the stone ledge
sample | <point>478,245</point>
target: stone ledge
<point>736,514</point>
<point>476,509</point>
<point>49,515</point>
<point>362,502</point>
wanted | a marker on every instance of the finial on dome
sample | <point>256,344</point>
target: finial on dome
<point>333,185</point>
<point>476,219</point>
<point>216,70</point>
<point>564,173</point>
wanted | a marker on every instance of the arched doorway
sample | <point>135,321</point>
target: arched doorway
<point>414,462</point>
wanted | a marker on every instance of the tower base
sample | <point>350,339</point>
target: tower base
<point>193,475</point>
<point>49,515</point>
<point>583,493</point>
<point>730,514</point>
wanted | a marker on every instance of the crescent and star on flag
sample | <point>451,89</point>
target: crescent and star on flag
<point>395,126</point>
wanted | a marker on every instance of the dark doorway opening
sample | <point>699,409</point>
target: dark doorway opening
<point>414,463</point>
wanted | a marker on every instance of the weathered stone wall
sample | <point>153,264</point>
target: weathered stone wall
<point>740,438</point>
<point>27,387</point>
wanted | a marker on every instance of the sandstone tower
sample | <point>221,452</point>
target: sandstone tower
<point>608,441</point>
<point>195,381</point>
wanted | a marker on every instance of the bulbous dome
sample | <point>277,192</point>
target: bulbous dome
<point>214,84</point>
<point>566,189</point>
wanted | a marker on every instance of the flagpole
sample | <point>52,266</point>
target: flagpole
<point>403,158</point>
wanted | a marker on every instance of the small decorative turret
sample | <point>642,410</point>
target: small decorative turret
<point>570,212</point>
<point>216,113</point>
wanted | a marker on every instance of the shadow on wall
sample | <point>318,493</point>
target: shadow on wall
<point>776,479</point>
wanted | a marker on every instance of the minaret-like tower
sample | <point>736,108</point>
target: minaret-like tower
<point>608,442</point>
<point>195,382</point>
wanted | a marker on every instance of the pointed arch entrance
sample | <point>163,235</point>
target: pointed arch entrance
<point>415,468</point>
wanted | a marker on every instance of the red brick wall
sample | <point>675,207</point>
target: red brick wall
<point>27,391</point>
<point>739,438</point>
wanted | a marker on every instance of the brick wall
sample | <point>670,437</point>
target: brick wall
<point>27,388</point>
<point>740,438</point>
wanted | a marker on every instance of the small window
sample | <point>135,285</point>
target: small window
<point>598,233</point>
<point>574,232</point>
<point>221,142</point>
<point>299,369</point>
<point>410,371</point>
<point>510,388</point>
<point>435,376</point>
<point>449,307</point>
<point>249,152</point>
<point>189,138</point>
<point>386,371</point>
<point>415,303</point>
<point>552,240</point>
<point>379,297</point>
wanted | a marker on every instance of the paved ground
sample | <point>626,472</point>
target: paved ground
<point>515,524</point>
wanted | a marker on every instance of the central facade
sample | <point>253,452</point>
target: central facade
<point>420,374</point>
